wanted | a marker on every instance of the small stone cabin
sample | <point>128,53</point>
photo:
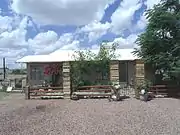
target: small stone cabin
<point>126,68</point>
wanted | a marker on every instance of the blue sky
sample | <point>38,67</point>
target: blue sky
<point>29,27</point>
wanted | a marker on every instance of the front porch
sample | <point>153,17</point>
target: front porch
<point>49,76</point>
<point>57,75</point>
<point>128,73</point>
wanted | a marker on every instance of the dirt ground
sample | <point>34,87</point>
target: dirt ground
<point>88,117</point>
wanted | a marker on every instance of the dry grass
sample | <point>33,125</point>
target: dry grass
<point>89,117</point>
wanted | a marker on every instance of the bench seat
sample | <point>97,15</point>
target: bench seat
<point>91,94</point>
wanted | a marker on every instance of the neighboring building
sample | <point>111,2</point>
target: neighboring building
<point>15,81</point>
<point>126,68</point>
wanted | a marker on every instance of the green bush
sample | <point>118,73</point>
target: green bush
<point>144,85</point>
<point>87,63</point>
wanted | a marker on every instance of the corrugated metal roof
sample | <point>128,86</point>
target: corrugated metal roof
<point>33,58</point>
<point>69,55</point>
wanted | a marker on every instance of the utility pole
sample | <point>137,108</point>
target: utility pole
<point>4,68</point>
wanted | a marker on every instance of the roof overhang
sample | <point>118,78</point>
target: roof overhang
<point>69,55</point>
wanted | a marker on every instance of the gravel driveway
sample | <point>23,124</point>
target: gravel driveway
<point>89,117</point>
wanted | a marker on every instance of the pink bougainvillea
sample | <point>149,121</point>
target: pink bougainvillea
<point>52,69</point>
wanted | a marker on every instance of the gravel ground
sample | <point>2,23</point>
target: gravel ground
<point>89,117</point>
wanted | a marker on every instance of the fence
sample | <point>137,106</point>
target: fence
<point>57,92</point>
<point>127,91</point>
<point>43,92</point>
<point>166,90</point>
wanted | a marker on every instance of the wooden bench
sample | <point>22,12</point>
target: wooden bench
<point>93,91</point>
<point>173,91</point>
<point>159,90</point>
<point>166,90</point>
<point>46,92</point>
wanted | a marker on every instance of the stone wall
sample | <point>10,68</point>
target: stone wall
<point>66,79</point>
<point>114,71</point>
<point>139,76</point>
<point>139,72</point>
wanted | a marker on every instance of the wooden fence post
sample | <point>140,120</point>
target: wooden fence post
<point>27,92</point>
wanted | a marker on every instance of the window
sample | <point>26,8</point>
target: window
<point>36,73</point>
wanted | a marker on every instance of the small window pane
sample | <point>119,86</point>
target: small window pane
<point>37,73</point>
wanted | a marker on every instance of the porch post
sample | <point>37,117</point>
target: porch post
<point>114,71</point>
<point>27,92</point>
<point>139,75</point>
<point>66,79</point>
<point>28,74</point>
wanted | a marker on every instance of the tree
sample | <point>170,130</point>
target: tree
<point>86,63</point>
<point>19,71</point>
<point>16,71</point>
<point>159,45</point>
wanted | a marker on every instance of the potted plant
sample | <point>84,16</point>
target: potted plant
<point>142,90</point>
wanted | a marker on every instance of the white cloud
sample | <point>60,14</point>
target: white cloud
<point>73,45</point>
<point>14,39</point>
<point>151,3</point>
<point>128,42</point>
<point>42,40</point>
<point>13,43</point>
<point>141,23</point>
<point>121,20</point>
<point>62,12</point>
<point>95,30</point>
<point>122,17</point>
<point>5,23</point>
<point>95,46</point>
<point>66,41</point>
<point>47,42</point>
<point>43,43</point>
<point>13,31</point>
